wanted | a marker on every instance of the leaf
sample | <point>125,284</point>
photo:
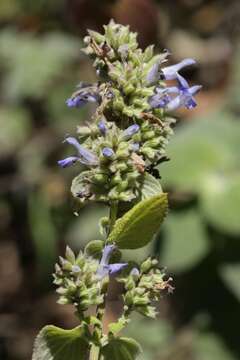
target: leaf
<point>121,348</point>
<point>220,202</point>
<point>137,227</point>
<point>208,346</point>
<point>200,148</point>
<point>15,129</point>
<point>150,186</point>
<point>53,343</point>
<point>185,240</point>
<point>116,327</point>
<point>231,275</point>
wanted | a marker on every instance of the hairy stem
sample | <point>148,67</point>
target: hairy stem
<point>95,350</point>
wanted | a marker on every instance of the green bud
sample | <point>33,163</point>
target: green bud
<point>122,154</point>
<point>146,265</point>
<point>122,186</point>
<point>148,135</point>
<point>148,152</point>
<point>100,178</point>
<point>70,255</point>
<point>153,143</point>
<point>128,89</point>
<point>118,104</point>
<point>99,38</point>
<point>83,130</point>
<point>143,300</point>
<point>121,166</point>
<point>116,179</point>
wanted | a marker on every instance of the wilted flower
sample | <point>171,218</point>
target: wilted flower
<point>105,268</point>
<point>85,156</point>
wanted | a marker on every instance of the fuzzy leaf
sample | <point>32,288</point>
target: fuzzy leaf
<point>150,186</point>
<point>121,348</point>
<point>53,343</point>
<point>137,227</point>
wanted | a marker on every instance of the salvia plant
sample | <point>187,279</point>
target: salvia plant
<point>116,155</point>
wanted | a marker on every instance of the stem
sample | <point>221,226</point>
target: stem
<point>95,350</point>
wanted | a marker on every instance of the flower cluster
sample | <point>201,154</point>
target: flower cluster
<point>144,286</point>
<point>80,279</point>
<point>131,125</point>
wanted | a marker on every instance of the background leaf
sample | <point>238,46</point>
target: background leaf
<point>220,202</point>
<point>185,240</point>
<point>137,227</point>
<point>230,273</point>
<point>53,343</point>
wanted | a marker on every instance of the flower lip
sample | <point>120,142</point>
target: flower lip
<point>85,156</point>
<point>71,160</point>
<point>171,72</point>
<point>105,268</point>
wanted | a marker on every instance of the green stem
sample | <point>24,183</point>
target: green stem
<point>95,350</point>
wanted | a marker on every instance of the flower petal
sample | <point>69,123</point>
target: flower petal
<point>114,268</point>
<point>170,72</point>
<point>71,160</point>
<point>86,156</point>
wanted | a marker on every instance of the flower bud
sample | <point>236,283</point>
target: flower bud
<point>100,178</point>
<point>148,135</point>
<point>146,265</point>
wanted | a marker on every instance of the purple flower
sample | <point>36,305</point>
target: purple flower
<point>71,160</point>
<point>134,146</point>
<point>102,127</point>
<point>185,95</point>
<point>105,268</point>
<point>83,96</point>
<point>107,152</point>
<point>171,72</point>
<point>130,131</point>
<point>153,74</point>
<point>162,97</point>
<point>85,156</point>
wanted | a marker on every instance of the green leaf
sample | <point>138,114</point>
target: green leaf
<point>121,348</point>
<point>185,240</point>
<point>200,148</point>
<point>53,343</point>
<point>231,275</point>
<point>116,327</point>
<point>209,346</point>
<point>220,202</point>
<point>150,186</point>
<point>137,227</point>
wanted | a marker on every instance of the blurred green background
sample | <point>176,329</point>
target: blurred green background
<point>40,63</point>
